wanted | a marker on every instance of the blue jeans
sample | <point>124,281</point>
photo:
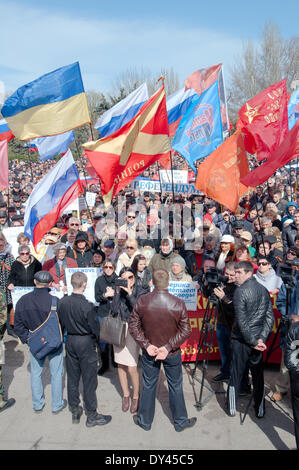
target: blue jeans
<point>223,335</point>
<point>150,375</point>
<point>56,369</point>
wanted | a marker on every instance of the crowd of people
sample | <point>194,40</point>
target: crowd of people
<point>138,235</point>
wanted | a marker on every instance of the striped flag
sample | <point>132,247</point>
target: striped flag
<point>177,105</point>
<point>50,105</point>
<point>117,116</point>
<point>52,194</point>
<point>119,158</point>
<point>5,132</point>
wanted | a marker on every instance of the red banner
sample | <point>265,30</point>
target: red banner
<point>189,348</point>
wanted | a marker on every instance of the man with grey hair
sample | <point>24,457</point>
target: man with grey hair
<point>79,318</point>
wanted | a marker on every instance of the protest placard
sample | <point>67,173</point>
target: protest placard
<point>92,275</point>
<point>179,176</point>
<point>11,235</point>
<point>18,292</point>
<point>185,291</point>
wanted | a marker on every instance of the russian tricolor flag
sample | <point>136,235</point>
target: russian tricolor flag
<point>50,197</point>
<point>5,132</point>
<point>177,105</point>
<point>120,114</point>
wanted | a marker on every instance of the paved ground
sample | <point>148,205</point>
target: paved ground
<point>21,428</point>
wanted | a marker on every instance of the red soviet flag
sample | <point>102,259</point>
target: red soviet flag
<point>286,152</point>
<point>265,120</point>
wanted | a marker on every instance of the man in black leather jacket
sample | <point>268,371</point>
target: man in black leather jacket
<point>291,360</point>
<point>253,323</point>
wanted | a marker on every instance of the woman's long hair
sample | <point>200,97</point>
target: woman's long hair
<point>134,265</point>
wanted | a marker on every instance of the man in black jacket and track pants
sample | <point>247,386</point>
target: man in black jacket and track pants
<point>78,319</point>
<point>291,360</point>
<point>253,323</point>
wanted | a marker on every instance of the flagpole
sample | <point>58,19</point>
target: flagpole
<point>30,163</point>
<point>158,166</point>
<point>8,219</point>
<point>84,192</point>
<point>91,131</point>
<point>171,166</point>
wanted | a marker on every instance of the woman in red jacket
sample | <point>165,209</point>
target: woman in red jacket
<point>57,266</point>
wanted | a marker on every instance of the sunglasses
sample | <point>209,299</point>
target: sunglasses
<point>130,247</point>
<point>291,253</point>
<point>25,253</point>
<point>108,267</point>
<point>77,225</point>
<point>262,263</point>
<point>131,217</point>
<point>130,277</point>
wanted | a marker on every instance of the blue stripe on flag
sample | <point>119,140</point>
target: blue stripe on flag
<point>119,121</point>
<point>49,200</point>
<point>53,87</point>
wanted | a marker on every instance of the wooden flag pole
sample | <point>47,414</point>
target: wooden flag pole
<point>30,163</point>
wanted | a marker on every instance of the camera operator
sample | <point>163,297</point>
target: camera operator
<point>225,319</point>
<point>225,314</point>
<point>289,312</point>
<point>253,323</point>
<point>206,290</point>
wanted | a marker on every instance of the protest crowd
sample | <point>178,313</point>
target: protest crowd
<point>99,255</point>
<point>139,233</point>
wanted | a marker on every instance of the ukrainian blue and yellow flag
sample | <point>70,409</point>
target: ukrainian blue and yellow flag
<point>52,104</point>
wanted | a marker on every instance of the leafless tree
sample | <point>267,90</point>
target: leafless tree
<point>261,65</point>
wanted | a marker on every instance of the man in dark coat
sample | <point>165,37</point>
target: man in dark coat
<point>291,360</point>
<point>31,311</point>
<point>253,323</point>
<point>159,324</point>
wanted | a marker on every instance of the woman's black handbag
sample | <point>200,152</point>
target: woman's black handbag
<point>113,330</point>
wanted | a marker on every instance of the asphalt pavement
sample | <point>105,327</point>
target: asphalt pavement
<point>22,429</point>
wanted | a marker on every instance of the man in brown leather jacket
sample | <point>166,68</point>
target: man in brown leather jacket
<point>159,324</point>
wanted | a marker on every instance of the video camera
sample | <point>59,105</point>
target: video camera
<point>287,272</point>
<point>214,279</point>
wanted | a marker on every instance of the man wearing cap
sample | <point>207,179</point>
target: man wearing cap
<point>240,217</point>
<point>3,220</point>
<point>109,250</point>
<point>246,238</point>
<point>289,234</point>
<point>17,204</point>
<point>31,311</point>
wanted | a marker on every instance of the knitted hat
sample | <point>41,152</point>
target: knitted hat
<point>179,260</point>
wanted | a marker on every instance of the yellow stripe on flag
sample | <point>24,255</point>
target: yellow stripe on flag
<point>50,119</point>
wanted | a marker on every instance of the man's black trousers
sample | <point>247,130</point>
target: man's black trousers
<point>294,379</point>
<point>82,360</point>
<point>150,375</point>
<point>242,357</point>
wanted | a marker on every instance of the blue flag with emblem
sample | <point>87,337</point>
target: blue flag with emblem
<point>200,130</point>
